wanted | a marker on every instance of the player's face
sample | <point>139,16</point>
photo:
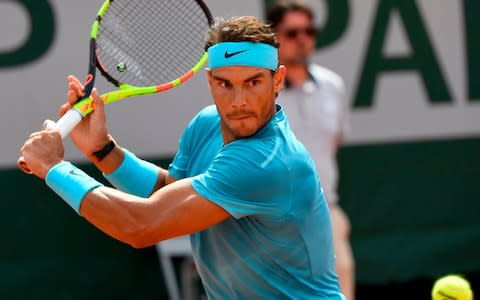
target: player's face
<point>245,98</point>
<point>296,35</point>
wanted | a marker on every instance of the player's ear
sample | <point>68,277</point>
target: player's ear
<point>209,77</point>
<point>279,78</point>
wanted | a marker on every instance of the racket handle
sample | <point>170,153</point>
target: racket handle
<point>65,125</point>
<point>67,122</point>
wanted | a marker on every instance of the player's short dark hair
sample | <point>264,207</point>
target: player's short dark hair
<point>240,29</point>
<point>277,11</point>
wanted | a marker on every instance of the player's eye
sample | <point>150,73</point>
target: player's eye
<point>254,82</point>
<point>225,84</point>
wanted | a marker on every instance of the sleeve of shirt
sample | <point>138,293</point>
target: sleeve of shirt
<point>178,167</point>
<point>244,181</point>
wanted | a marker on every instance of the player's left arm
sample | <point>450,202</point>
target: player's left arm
<point>174,210</point>
<point>171,211</point>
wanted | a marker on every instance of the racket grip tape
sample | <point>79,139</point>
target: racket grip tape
<point>67,122</point>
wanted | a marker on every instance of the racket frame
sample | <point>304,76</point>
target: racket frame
<point>84,104</point>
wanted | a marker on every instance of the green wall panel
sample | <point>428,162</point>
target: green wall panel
<point>414,208</point>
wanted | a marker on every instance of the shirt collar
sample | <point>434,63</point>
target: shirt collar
<point>288,84</point>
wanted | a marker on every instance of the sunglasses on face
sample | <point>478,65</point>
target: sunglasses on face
<point>293,33</point>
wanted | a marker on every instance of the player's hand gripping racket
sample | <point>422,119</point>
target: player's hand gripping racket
<point>142,47</point>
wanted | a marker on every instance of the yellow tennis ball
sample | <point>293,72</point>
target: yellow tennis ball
<point>452,287</point>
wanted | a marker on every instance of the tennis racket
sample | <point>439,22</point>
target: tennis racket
<point>142,47</point>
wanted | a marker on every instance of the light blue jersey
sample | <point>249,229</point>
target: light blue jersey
<point>277,244</point>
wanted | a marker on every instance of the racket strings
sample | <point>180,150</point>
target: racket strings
<point>149,42</point>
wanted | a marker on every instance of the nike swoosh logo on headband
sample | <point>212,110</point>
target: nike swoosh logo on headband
<point>228,55</point>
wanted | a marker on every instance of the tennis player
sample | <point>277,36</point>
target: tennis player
<point>240,184</point>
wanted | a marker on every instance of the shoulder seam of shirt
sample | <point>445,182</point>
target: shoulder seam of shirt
<point>274,151</point>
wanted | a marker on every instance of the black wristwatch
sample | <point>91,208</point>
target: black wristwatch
<point>102,153</point>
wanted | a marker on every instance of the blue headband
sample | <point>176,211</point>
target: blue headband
<point>250,54</point>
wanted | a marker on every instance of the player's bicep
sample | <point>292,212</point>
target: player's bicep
<point>177,209</point>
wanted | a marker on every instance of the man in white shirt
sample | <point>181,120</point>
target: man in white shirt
<point>315,104</point>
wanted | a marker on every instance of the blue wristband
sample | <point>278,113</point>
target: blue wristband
<point>70,183</point>
<point>134,176</point>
